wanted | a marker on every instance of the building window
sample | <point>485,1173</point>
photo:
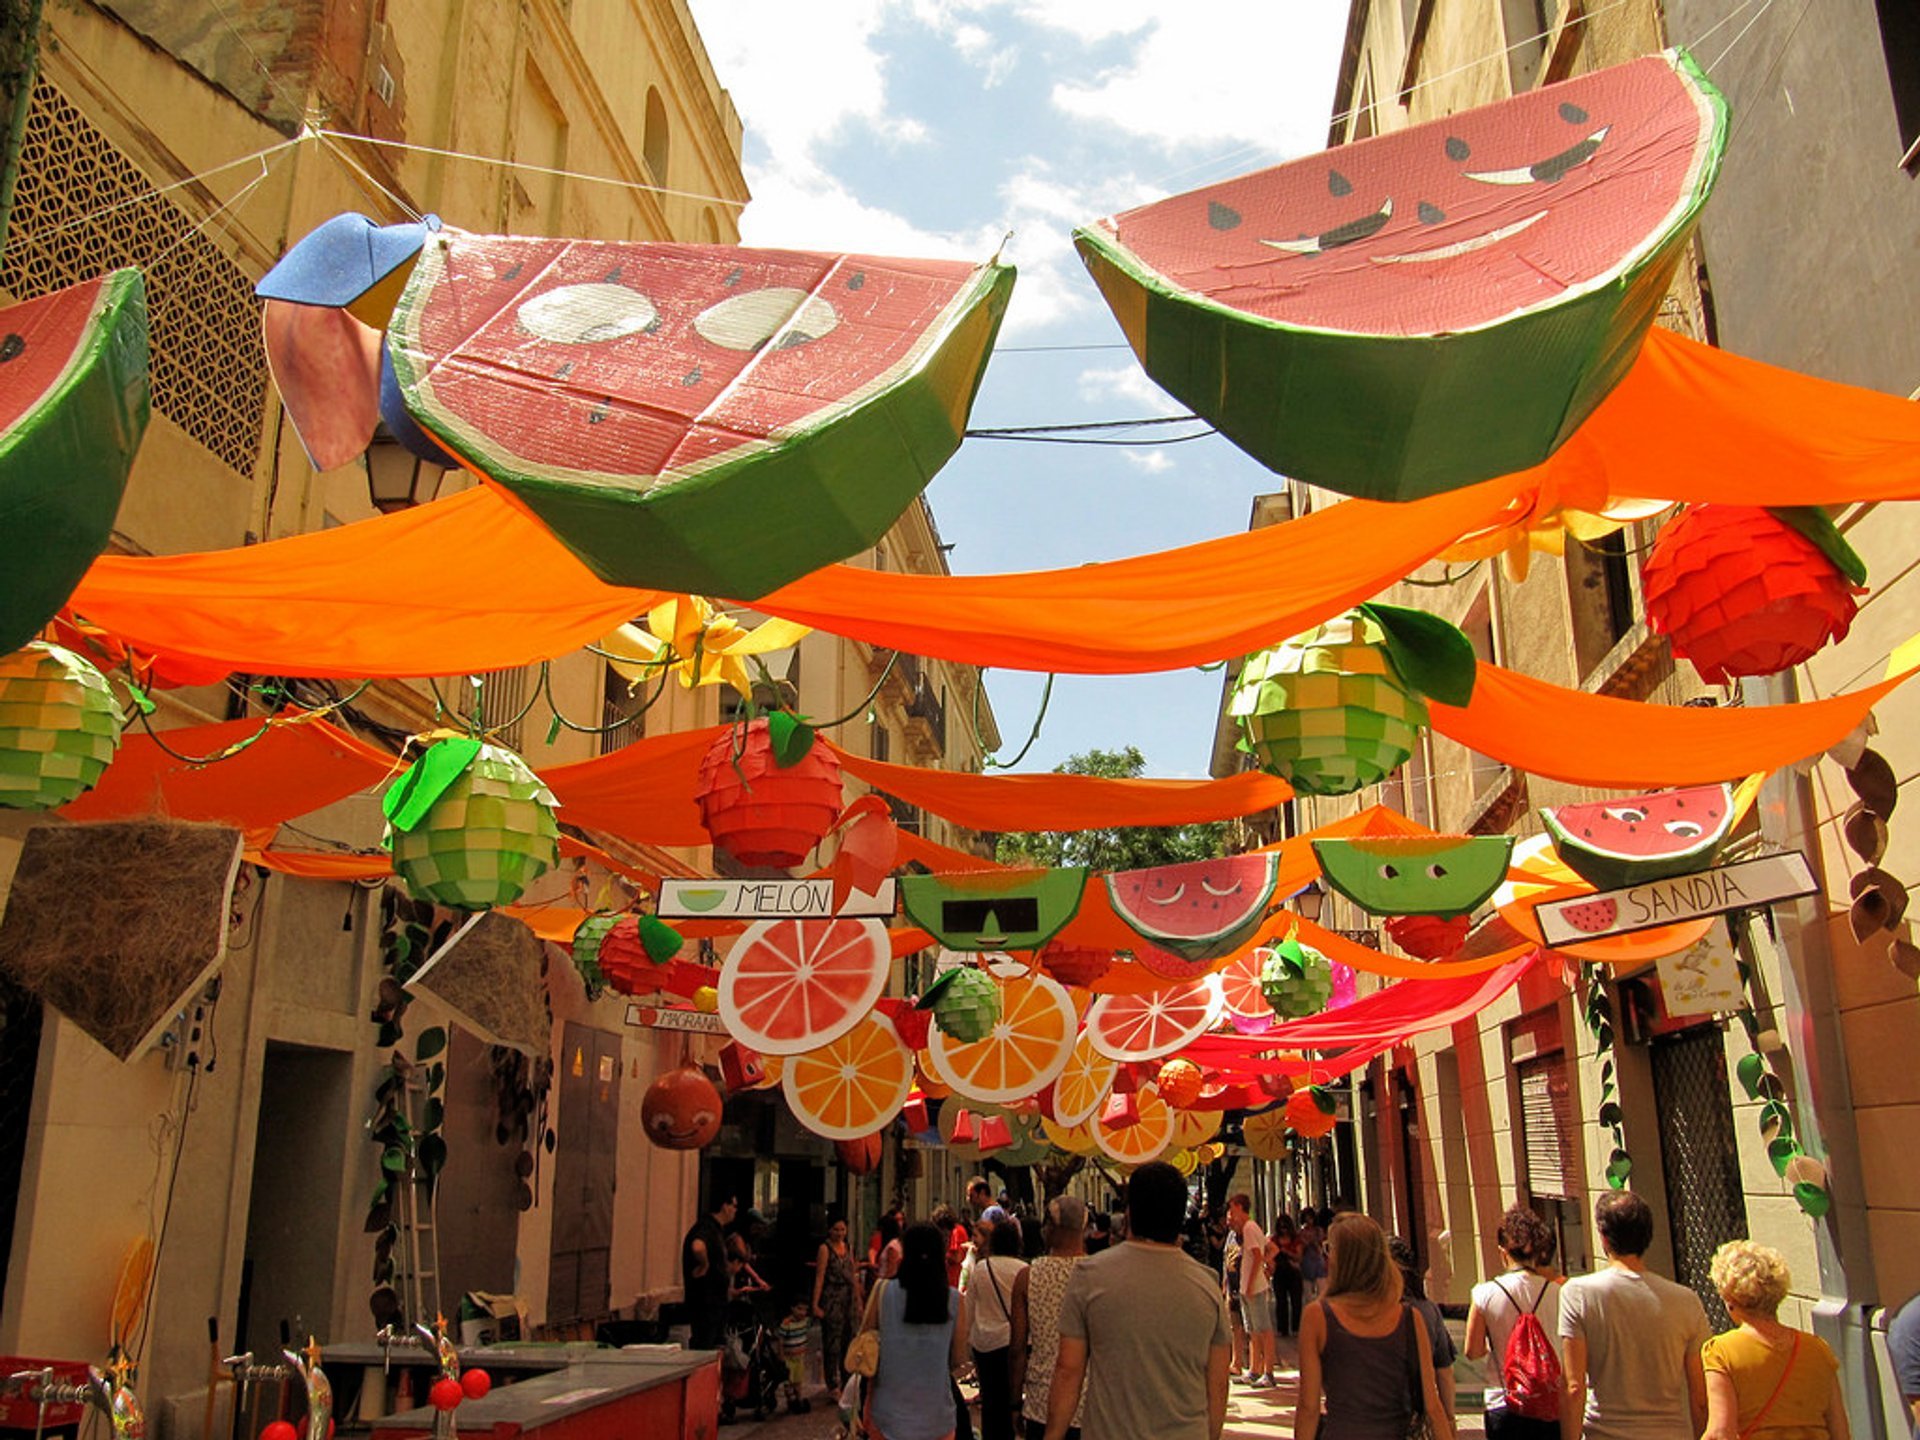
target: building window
<point>655,140</point>
<point>1600,595</point>
<point>622,706</point>
<point>879,743</point>
<point>1900,38</point>
<point>1529,22</point>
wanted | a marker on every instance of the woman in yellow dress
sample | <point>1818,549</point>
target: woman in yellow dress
<point>1766,1380</point>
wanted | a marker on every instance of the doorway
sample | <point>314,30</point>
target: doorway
<point>1700,1155</point>
<point>579,1284</point>
<point>20,1020</point>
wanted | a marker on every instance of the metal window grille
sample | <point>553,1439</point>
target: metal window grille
<point>1700,1155</point>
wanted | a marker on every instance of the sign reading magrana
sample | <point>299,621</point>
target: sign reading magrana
<point>769,900</point>
<point>1684,897</point>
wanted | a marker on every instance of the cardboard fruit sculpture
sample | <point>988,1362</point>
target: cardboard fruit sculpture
<point>763,804</point>
<point>681,1110</point>
<point>1022,1051</point>
<point>1431,306</point>
<point>1078,965</point>
<point>1199,911</point>
<point>789,986</point>
<point>853,1085</point>
<point>1615,843</point>
<point>994,909</point>
<point>700,418</point>
<point>1415,874</point>
<point>965,1003</point>
<point>1150,1027</point>
<point>1179,1083</point>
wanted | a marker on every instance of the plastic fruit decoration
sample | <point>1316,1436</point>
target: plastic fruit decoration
<point>1429,937</point>
<point>1310,1112</point>
<point>1739,590</point>
<point>59,727</point>
<point>476,1383</point>
<point>1179,1083</point>
<point>470,826</point>
<point>1296,979</point>
<point>446,1394</point>
<point>681,1110</point>
<point>765,805</point>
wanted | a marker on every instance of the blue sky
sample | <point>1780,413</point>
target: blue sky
<point>934,127</point>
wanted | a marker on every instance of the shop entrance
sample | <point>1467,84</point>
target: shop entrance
<point>1700,1155</point>
<point>579,1284</point>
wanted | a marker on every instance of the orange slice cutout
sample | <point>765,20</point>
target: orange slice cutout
<point>1077,1139</point>
<point>1083,1083</point>
<point>850,1087</point>
<point>1193,1128</point>
<point>1020,1056</point>
<point>1147,1027</point>
<point>1266,1134</point>
<point>1143,1140</point>
<point>790,986</point>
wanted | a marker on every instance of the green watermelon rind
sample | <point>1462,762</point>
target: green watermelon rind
<point>1358,881</point>
<point>64,463</point>
<point>1210,945</point>
<point>1059,891</point>
<point>744,523</point>
<point>1612,870</point>
<point>1314,404</point>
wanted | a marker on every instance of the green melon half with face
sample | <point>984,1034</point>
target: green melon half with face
<point>994,909</point>
<point>1416,874</point>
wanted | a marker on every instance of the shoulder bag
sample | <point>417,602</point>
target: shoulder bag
<point>1419,1424</point>
<point>863,1355</point>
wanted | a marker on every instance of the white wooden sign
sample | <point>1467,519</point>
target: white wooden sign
<point>769,900</point>
<point>1704,978</point>
<point>656,1017</point>
<point>1685,897</point>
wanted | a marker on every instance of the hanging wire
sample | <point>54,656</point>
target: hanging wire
<point>861,708</point>
<point>476,723</point>
<point>546,689</point>
<point>1046,698</point>
<point>1447,577</point>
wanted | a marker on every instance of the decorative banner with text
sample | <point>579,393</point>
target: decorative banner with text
<point>776,899</point>
<point>1742,886</point>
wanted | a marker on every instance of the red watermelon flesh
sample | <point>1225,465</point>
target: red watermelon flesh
<point>1199,911</point>
<point>1592,916</point>
<point>1615,843</point>
<point>1454,224</point>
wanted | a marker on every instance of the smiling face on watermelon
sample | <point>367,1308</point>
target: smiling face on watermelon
<point>1199,911</point>
<point>1612,844</point>
<point>705,418</point>
<point>1276,304</point>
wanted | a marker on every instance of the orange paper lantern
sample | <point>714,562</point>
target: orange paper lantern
<point>1304,1115</point>
<point>1075,964</point>
<point>1179,1083</point>
<point>1429,937</point>
<point>759,811</point>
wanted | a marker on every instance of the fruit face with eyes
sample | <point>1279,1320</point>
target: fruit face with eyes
<point>1615,843</point>
<point>681,1110</point>
<point>1416,874</point>
<point>1199,911</point>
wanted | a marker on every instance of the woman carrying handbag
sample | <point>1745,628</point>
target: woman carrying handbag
<point>919,1325</point>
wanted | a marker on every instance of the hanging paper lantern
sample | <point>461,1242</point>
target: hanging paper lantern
<point>633,948</point>
<point>760,811</point>
<point>681,1110</point>
<point>1296,979</point>
<point>965,1004</point>
<point>862,1156</point>
<point>1328,710</point>
<point>1346,985</point>
<point>1078,965</point>
<point>1179,1083</point>
<point>474,835</point>
<point>59,727</point>
<point>1122,1108</point>
<point>1310,1112</point>
<point>1429,937</point>
<point>995,1133</point>
<point>586,951</point>
<point>1740,592</point>
<point>740,1067</point>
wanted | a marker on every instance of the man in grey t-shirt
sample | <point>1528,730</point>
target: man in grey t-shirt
<point>1631,1340</point>
<point>1145,1325</point>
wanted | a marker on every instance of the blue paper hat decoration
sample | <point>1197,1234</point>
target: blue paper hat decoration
<point>344,259</point>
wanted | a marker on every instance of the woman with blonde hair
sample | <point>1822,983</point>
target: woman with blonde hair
<point>1363,1349</point>
<point>1765,1378</point>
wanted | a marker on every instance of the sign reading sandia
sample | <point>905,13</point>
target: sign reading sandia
<point>1428,307</point>
<point>704,418</point>
<point>1658,903</point>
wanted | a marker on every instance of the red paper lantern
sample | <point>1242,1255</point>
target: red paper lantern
<point>1179,1083</point>
<point>476,1383</point>
<point>1121,1110</point>
<point>1078,965</point>
<point>862,1156</point>
<point>681,1110</point>
<point>446,1393</point>
<point>910,1022</point>
<point>279,1430</point>
<point>1304,1115</point>
<point>962,1128</point>
<point>633,952</point>
<point>914,1112</point>
<point>995,1133</point>
<point>1429,937</point>
<point>1739,592</point>
<point>760,812</point>
<point>740,1067</point>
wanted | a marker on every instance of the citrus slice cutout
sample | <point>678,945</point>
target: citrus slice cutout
<point>1020,1056</point>
<point>1246,1005</point>
<point>1265,1134</point>
<point>1146,1027</point>
<point>1193,1128</point>
<point>1185,1161</point>
<point>794,985</point>
<point>853,1085</point>
<point>1083,1082</point>
<point>1075,1139</point>
<point>1145,1138</point>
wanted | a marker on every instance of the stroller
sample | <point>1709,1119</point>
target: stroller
<point>752,1370</point>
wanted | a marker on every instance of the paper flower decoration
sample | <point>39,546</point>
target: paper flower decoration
<point>1740,591</point>
<point>965,1003</point>
<point>1429,937</point>
<point>59,727</point>
<point>1310,1112</point>
<point>1296,979</point>
<point>703,646</point>
<point>1079,965</point>
<point>760,811</point>
<point>470,826</point>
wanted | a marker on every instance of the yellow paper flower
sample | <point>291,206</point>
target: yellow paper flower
<point>1543,519</point>
<point>703,646</point>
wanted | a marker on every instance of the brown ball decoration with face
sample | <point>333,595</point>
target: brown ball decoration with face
<point>681,1110</point>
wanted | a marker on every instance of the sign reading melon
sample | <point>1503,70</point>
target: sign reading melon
<point>1683,897</point>
<point>704,418</point>
<point>1428,307</point>
<point>770,900</point>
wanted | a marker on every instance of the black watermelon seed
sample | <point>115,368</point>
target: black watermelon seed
<point>613,276</point>
<point>512,272</point>
<point>693,376</point>
<point>1222,217</point>
<point>1431,214</point>
<point>733,277</point>
<point>856,280</point>
<point>564,371</point>
<point>11,347</point>
<point>1572,113</point>
<point>1338,184</point>
<point>1457,149</point>
<point>598,413</point>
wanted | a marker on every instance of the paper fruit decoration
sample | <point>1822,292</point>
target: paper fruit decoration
<point>59,727</point>
<point>631,951</point>
<point>1179,1083</point>
<point>1078,965</point>
<point>1739,590</point>
<point>741,1068</point>
<point>681,1110</point>
<point>1199,911</point>
<point>1538,876</point>
<point>700,418</point>
<point>1023,1049</point>
<point>854,1084</point>
<point>470,826</point>
<point>994,909</point>
<point>1310,1112</point>
<point>1429,937</point>
<point>1265,1134</point>
<point>965,1003</point>
<point>760,810</point>
<point>1415,874</point>
<point>1144,1135</point>
<point>1296,979</point>
<point>1155,1025</point>
<point>1431,306</point>
<point>861,1156</point>
<point>1615,843</point>
<point>1082,1085</point>
<point>73,406</point>
<point>1246,1003</point>
<point>789,986</point>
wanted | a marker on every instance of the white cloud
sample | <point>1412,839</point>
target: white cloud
<point>1128,383</point>
<point>1154,462</point>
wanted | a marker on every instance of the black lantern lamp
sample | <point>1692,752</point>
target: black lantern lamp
<point>1309,902</point>
<point>398,479</point>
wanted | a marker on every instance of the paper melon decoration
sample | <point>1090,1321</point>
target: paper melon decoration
<point>1415,874</point>
<point>994,909</point>
<point>1428,307</point>
<point>1615,843</point>
<point>681,1110</point>
<point>59,727</point>
<point>73,406</point>
<point>1429,937</point>
<point>1296,979</point>
<point>702,418</point>
<point>1199,911</point>
<point>1310,1112</point>
<point>760,811</point>
<point>1739,591</point>
<point>470,826</point>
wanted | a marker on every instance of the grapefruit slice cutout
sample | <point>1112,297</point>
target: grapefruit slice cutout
<point>1147,1027</point>
<point>853,1085</point>
<point>1020,1056</point>
<point>1240,991</point>
<point>1265,1134</point>
<point>1083,1082</point>
<point>790,986</point>
<point>1146,1138</point>
<point>1193,1128</point>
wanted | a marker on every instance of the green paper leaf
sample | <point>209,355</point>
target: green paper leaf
<point>409,798</point>
<point>660,940</point>
<point>788,737</point>
<point>1433,656</point>
<point>433,1155</point>
<point>141,700</point>
<point>1775,1121</point>
<point>430,1044</point>
<point>1619,1168</point>
<point>1814,524</point>
<point>1812,1198</point>
<point>1322,1099</point>
<point>1781,1152</point>
<point>1610,1114</point>
<point>393,1160</point>
<point>1750,1069</point>
<point>553,728</point>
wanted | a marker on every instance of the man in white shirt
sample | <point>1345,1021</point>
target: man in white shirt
<point>1256,1292</point>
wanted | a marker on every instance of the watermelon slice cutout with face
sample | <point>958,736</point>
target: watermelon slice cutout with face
<point>703,418</point>
<point>1416,874</point>
<point>994,909</point>
<point>1429,307</point>
<point>1612,844</point>
<point>1198,911</point>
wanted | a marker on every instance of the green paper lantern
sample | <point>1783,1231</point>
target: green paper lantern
<point>968,1004</point>
<point>1328,711</point>
<point>59,727</point>
<point>1296,979</point>
<point>483,839</point>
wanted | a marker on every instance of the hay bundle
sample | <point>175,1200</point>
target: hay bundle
<point>492,976</point>
<point>116,925</point>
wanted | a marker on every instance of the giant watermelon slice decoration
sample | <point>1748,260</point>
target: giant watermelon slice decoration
<point>1416,874</point>
<point>994,909</point>
<point>1200,910</point>
<point>1429,307</point>
<point>73,406</point>
<point>1612,844</point>
<point>702,418</point>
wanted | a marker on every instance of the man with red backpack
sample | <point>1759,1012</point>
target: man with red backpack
<point>1514,1318</point>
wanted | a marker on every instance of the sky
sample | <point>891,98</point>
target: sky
<point>940,128</point>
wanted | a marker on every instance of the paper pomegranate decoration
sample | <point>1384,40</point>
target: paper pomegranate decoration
<point>760,811</point>
<point>1078,965</point>
<point>470,826</point>
<point>681,1110</point>
<point>1296,979</point>
<point>1429,937</point>
<point>1310,1112</point>
<point>862,1156</point>
<point>446,1394</point>
<point>59,727</point>
<point>1739,591</point>
<point>631,948</point>
<point>1179,1083</point>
